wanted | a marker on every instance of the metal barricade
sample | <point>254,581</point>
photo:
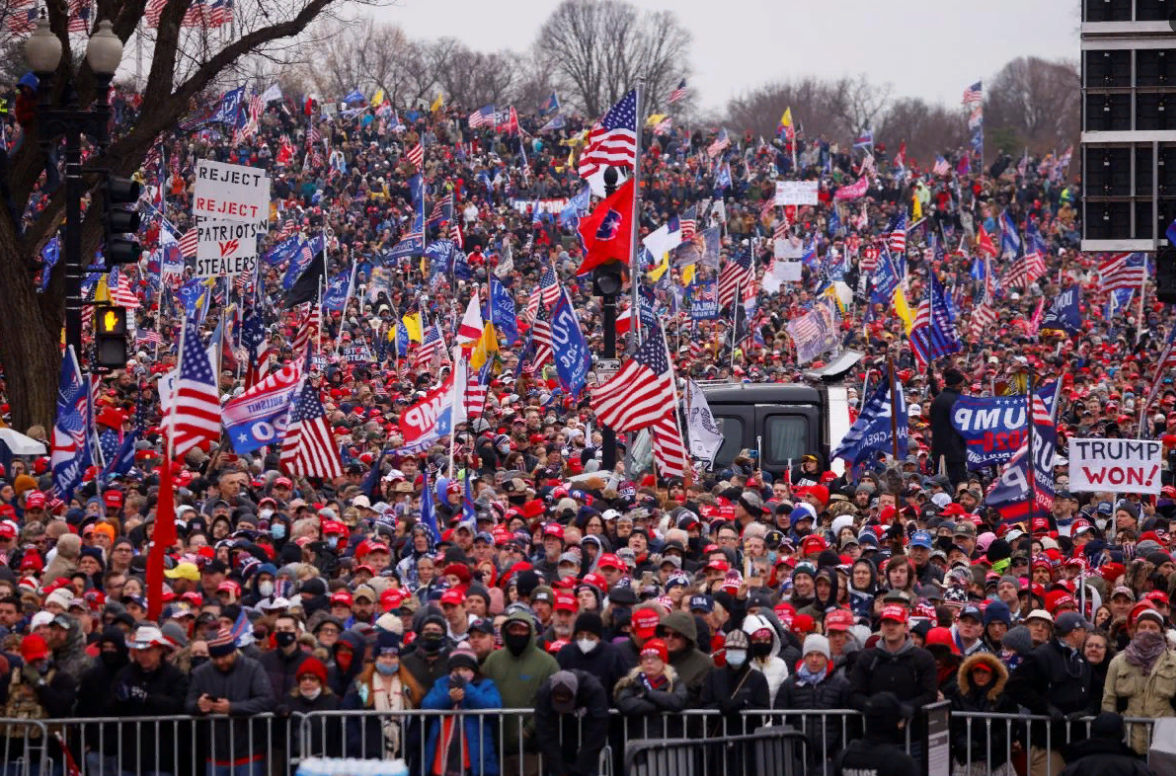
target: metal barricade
<point>769,750</point>
<point>26,747</point>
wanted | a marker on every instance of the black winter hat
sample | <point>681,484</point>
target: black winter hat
<point>590,622</point>
<point>999,550</point>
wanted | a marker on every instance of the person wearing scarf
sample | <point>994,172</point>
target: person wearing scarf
<point>1141,680</point>
<point>648,690</point>
<point>384,686</point>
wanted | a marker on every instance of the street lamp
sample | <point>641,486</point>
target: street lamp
<point>43,50</point>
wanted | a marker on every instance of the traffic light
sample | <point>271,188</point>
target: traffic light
<point>119,222</point>
<point>110,336</point>
<point>608,278</point>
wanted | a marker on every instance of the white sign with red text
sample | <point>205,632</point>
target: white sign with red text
<point>1115,465</point>
<point>230,192</point>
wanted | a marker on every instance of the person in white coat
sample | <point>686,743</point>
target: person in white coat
<point>764,652</point>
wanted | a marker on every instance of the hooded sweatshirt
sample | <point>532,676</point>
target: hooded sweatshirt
<point>518,678</point>
<point>773,667</point>
<point>691,663</point>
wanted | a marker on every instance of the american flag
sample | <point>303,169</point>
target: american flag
<point>21,21</point>
<point>148,338</point>
<point>455,234</point>
<point>542,340</point>
<point>256,345</point>
<point>308,332</point>
<point>669,452</point>
<point>983,319</point>
<point>155,11</point>
<point>121,294</point>
<point>195,408</point>
<point>416,155</point>
<point>312,135</point>
<point>1167,361</point>
<point>79,15</point>
<point>871,255</point>
<point>219,13</point>
<point>612,142</point>
<point>482,118</point>
<point>688,223</point>
<point>780,232</point>
<point>1122,270</point>
<point>189,242</point>
<point>974,94</point>
<point>442,210</point>
<point>679,93</point>
<point>720,144</point>
<point>1025,270</point>
<point>637,396</point>
<point>432,347</point>
<point>474,396</point>
<point>897,237</point>
<point>941,166</point>
<point>933,334</point>
<point>309,449</point>
<point>548,287</point>
<point>735,273</point>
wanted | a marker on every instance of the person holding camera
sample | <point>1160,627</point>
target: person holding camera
<point>461,744</point>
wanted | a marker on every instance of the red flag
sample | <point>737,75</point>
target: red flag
<point>163,538</point>
<point>607,234</point>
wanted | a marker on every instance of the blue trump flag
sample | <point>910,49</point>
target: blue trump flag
<point>871,432</point>
<point>336,294</point>
<point>1065,313</point>
<point>123,460</point>
<point>71,451</point>
<point>994,427</point>
<point>502,310</point>
<point>282,252</point>
<point>302,258</point>
<point>428,517</point>
<point>572,359</point>
<point>230,106</point>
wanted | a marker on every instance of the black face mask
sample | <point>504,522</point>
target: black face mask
<point>760,650</point>
<point>432,643</point>
<point>199,660</point>
<point>516,642</point>
<point>285,639</point>
<point>112,660</point>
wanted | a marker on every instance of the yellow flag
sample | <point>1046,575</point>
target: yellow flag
<point>654,119</point>
<point>916,207</point>
<point>102,291</point>
<point>377,98</point>
<point>485,347</point>
<point>688,274</point>
<point>903,310</point>
<point>438,103</point>
<point>831,292</point>
<point>655,274</point>
<point>412,324</point>
<point>786,119</point>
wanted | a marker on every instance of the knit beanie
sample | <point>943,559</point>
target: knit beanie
<point>815,642</point>
<point>590,622</point>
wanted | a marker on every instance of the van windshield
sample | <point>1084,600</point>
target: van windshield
<point>732,430</point>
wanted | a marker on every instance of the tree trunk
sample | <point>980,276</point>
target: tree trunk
<point>29,347</point>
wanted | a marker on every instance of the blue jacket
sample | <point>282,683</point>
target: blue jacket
<point>479,731</point>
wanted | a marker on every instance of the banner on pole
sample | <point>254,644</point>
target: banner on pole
<point>230,192</point>
<point>796,192</point>
<point>1115,465</point>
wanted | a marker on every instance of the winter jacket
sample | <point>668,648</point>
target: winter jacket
<point>1104,757</point>
<point>338,679</point>
<point>830,692</point>
<point>773,667</point>
<point>71,657</point>
<point>604,662</point>
<point>1052,677</point>
<point>282,669</point>
<point>690,664</point>
<point>477,731</point>
<point>1128,692</point>
<point>974,743</point>
<point>370,736</point>
<point>249,692</point>
<point>325,732</point>
<point>945,440</point>
<point>651,713</point>
<point>95,690</point>
<point>160,693</point>
<point>518,679</point>
<point>573,740</point>
<point>909,673</point>
<point>732,692</point>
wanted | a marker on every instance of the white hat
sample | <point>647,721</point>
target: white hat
<point>1039,614</point>
<point>815,642</point>
<point>61,596</point>
<point>149,636</point>
<point>277,603</point>
<point>41,618</point>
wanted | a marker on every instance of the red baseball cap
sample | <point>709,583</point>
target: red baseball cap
<point>718,565</point>
<point>610,561</point>
<point>341,597</point>
<point>113,499</point>
<point>563,602</point>
<point>839,619</point>
<point>452,596</point>
<point>894,612</point>
<point>645,622</point>
<point>35,500</point>
<point>553,529</point>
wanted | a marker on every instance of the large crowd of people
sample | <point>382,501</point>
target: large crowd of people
<point>601,604</point>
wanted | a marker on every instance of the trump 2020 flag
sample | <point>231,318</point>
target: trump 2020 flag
<point>260,415</point>
<point>572,359</point>
<point>872,432</point>
<point>1065,313</point>
<point>502,311</point>
<point>71,454</point>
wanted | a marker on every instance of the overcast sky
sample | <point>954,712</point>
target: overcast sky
<point>925,48</point>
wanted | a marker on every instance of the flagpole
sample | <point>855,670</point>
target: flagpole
<point>634,256</point>
<point>1032,465</point>
<point>674,407</point>
<point>735,320</point>
<point>1142,293</point>
<point>453,415</point>
<point>893,407</point>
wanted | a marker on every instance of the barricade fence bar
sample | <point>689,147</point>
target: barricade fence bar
<point>982,744</point>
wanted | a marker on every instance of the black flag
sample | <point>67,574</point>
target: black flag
<point>306,288</point>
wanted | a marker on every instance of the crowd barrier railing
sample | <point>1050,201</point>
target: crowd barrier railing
<point>274,744</point>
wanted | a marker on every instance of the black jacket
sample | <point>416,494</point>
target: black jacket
<point>831,692</point>
<point>733,691</point>
<point>282,669</point>
<point>968,698</point>
<point>326,732</point>
<point>1052,679</point>
<point>909,673</point>
<point>1104,757</point>
<point>945,440</point>
<point>604,662</point>
<point>160,693</point>
<point>872,757</point>
<point>583,732</point>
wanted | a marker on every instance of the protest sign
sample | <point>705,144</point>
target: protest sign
<point>796,192</point>
<point>230,192</point>
<point>226,248</point>
<point>1116,465</point>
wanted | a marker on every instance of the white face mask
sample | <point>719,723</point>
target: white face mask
<point>310,696</point>
<point>587,645</point>
<point>265,588</point>
<point>265,514</point>
<point>736,657</point>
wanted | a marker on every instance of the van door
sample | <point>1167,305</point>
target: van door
<point>737,425</point>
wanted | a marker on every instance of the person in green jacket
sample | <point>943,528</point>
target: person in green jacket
<point>519,670</point>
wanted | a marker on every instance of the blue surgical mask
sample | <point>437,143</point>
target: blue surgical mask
<point>278,530</point>
<point>332,542</point>
<point>387,670</point>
